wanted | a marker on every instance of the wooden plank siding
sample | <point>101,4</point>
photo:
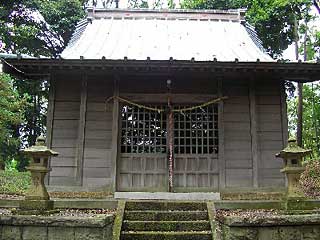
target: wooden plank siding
<point>270,132</point>
<point>237,136</point>
<point>251,122</point>
<point>98,136</point>
<point>65,129</point>
<point>97,128</point>
<point>253,133</point>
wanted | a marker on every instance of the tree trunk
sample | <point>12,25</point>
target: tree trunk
<point>300,114</point>
<point>300,87</point>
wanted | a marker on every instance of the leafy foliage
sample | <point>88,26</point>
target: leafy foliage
<point>310,179</point>
<point>12,107</point>
<point>14,182</point>
<point>38,27</point>
<point>35,114</point>
<point>212,4</point>
<point>272,19</point>
<point>34,27</point>
<point>311,117</point>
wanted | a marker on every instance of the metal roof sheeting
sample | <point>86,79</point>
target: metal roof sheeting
<point>160,38</point>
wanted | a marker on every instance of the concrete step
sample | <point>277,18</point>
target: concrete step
<point>148,235</point>
<point>194,196</point>
<point>180,226</point>
<point>166,205</point>
<point>150,215</point>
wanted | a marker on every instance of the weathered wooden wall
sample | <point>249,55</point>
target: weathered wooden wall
<point>98,132</point>
<point>83,160</point>
<point>253,133</point>
<point>65,128</point>
<point>237,138</point>
<point>252,125</point>
<point>271,132</point>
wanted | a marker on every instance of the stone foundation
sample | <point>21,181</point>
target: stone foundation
<point>282,227</point>
<point>56,228</point>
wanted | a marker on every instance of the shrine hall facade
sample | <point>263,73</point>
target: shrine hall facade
<point>146,100</point>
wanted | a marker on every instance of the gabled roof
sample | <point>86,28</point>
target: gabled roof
<point>160,35</point>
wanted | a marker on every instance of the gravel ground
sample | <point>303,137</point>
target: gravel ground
<point>69,212</point>
<point>87,195</point>
<point>82,212</point>
<point>10,197</point>
<point>4,211</point>
<point>254,213</point>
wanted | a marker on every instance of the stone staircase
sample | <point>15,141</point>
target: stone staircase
<point>148,220</point>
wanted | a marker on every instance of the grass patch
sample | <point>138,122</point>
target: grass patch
<point>14,182</point>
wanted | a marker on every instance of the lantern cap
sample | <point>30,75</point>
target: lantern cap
<point>293,148</point>
<point>40,148</point>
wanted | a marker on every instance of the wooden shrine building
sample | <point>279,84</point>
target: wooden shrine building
<point>145,100</point>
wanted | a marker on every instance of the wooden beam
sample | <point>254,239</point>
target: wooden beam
<point>81,130</point>
<point>284,114</point>
<point>221,159</point>
<point>115,135</point>
<point>50,118</point>
<point>253,133</point>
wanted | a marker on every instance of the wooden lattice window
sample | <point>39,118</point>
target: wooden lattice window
<point>196,131</point>
<point>143,131</point>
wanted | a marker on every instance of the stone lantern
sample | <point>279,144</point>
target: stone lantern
<point>37,197</point>
<point>293,156</point>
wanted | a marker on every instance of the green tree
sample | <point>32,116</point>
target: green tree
<point>38,27</point>
<point>11,115</point>
<point>272,19</point>
<point>311,117</point>
<point>34,27</point>
<point>213,4</point>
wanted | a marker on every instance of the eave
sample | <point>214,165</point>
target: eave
<point>299,72</point>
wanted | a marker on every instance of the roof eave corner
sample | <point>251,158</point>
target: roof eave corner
<point>90,12</point>
<point>242,15</point>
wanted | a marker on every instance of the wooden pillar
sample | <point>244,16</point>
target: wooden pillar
<point>284,114</point>
<point>253,133</point>
<point>50,118</point>
<point>81,130</point>
<point>222,162</point>
<point>115,134</point>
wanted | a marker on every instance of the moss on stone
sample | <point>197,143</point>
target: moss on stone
<point>118,220</point>
<point>202,225</point>
<point>205,235</point>
<point>36,205</point>
<point>302,204</point>
<point>258,204</point>
<point>166,205</point>
<point>252,195</point>
<point>163,215</point>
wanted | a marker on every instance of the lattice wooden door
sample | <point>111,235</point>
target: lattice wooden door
<point>195,149</point>
<point>143,159</point>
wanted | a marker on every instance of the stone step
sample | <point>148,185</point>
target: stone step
<point>166,205</point>
<point>179,226</point>
<point>148,235</point>
<point>149,215</point>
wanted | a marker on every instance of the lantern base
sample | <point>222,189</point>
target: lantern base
<point>36,205</point>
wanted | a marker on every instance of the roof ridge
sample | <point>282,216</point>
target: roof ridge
<point>232,14</point>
